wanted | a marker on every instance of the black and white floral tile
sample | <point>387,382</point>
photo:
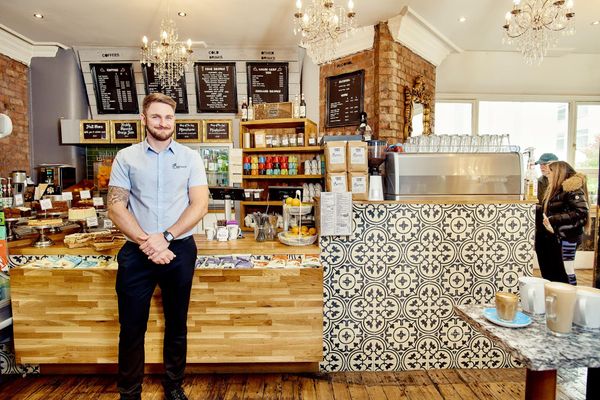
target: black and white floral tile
<point>389,288</point>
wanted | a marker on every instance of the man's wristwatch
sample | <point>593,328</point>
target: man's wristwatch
<point>168,236</point>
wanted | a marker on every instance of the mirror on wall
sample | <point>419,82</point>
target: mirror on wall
<point>417,109</point>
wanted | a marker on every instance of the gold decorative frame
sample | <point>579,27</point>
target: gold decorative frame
<point>205,137</point>
<point>189,121</point>
<point>138,131</point>
<point>417,94</point>
<point>105,140</point>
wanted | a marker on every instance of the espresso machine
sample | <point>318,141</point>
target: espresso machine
<point>376,152</point>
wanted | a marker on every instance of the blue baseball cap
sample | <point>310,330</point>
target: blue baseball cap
<point>546,158</point>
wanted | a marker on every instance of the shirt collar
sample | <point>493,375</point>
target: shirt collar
<point>172,146</point>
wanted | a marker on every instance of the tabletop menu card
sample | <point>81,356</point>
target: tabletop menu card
<point>178,93</point>
<point>217,131</point>
<point>345,98</point>
<point>114,86</point>
<point>188,131</point>
<point>268,82</point>
<point>216,89</point>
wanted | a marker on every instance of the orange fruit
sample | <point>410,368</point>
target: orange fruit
<point>312,231</point>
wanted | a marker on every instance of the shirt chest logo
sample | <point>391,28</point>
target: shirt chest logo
<point>178,166</point>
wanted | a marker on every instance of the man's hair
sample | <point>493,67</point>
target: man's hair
<point>157,98</point>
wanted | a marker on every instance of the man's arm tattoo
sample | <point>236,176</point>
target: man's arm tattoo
<point>117,195</point>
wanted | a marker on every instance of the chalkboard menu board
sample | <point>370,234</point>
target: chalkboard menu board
<point>267,82</point>
<point>217,131</point>
<point>188,131</point>
<point>126,131</point>
<point>345,98</point>
<point>178,93</point>
<point>216,89</point>
<point>91,131</point>
<point>114,86</point>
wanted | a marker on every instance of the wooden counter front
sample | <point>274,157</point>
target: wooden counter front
<point>69,316</point>
<point>247,245</point>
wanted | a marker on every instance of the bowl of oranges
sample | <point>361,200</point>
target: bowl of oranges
<point>295,207</point>
<point>298,236</point>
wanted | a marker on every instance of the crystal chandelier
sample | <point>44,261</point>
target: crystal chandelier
<point>321,26</point>
<point>534,26</point>
<point>170,58</point>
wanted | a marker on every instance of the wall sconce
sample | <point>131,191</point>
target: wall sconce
<point>6,126</point>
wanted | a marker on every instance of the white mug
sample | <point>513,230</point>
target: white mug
<point>233,231</point>
<point>587,308</point>
<point>210,233</point>
<point>560,307</point>
<point>531,290</point>
<point>222,233</point>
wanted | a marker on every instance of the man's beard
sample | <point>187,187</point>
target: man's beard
<point>161,135</point>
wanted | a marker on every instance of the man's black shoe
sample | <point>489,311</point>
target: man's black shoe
<point>175,394</point>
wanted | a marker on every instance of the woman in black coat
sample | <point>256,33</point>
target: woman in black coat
<point>565,214</point>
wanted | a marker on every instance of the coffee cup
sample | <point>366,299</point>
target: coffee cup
<point>560,307</point>
<point>222,233</point>
<point>531,290</point>
<point>210,233</point>
<point>587,308</point>
<point>506,306</point>
<point>233,231</point>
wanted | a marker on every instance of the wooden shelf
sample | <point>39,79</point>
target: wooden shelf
<point>262,203</point>
<point>280,122</point>
<point>252,177</point>
<point>293,149</point>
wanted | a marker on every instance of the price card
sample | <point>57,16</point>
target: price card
<point>98,201</point>
<point>45,204</point>
<point>108,224</point>
<point>18,200</point>
<point>67,196</point>
<point>91,221</point>
<point>85,194</point>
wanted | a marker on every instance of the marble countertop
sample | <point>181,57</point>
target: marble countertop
<point>534,346</point>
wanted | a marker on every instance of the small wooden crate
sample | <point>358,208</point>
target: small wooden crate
<point>273,110</point>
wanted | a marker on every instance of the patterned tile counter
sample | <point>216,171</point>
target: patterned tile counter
<point>390,287</point>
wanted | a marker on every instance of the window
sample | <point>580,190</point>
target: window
<point>529,124</point>
<point>453,118</point>
<point>588,144</point>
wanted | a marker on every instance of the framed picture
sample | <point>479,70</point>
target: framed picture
<point>188,131</point>
<point>217,131</point>
<point>94,132</point>
<point>126,131</point>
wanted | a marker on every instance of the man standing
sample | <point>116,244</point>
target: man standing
<point>157,194</point>
<point>543,162</point>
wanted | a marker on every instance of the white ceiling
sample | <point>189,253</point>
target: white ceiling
<point>243,23</point>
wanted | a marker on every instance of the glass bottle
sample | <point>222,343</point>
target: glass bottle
<point>250,110</point>
<point>296,107</point>
<point>302,110</point>
<point>244,109</point>
<point>363,128</point>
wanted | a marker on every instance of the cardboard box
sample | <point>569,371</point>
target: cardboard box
<point>358,184</point>
<point>273,110</point>
<point>337,182</point>
<point>357,156</point>
<point>260,140</point>
<point>335,156</point>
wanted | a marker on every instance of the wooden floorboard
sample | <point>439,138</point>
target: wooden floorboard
<point>496,384</point>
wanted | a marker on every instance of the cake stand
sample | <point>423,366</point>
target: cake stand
<point>11,233</point>
<point>43,240</point>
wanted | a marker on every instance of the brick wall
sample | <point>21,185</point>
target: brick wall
<point>389,67</point>
<point>14,102</point>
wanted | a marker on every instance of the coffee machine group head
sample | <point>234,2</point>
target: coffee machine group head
<point>376,152</point>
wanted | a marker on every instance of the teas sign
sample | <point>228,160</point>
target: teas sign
<point>187,131</point>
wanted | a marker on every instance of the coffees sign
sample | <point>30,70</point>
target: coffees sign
<point>114,86</point>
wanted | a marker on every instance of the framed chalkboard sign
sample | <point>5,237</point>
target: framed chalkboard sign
<point>114,86</point>
<point>178,93</point>
<point>345,99</point>
<point>126,131</point>
<point>268,82</point>
<point>188,131</point>
<point>216,89</point>
<point>217,131</point>
<point>94,132</point>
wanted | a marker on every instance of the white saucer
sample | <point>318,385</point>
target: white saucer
<point>521,320</point>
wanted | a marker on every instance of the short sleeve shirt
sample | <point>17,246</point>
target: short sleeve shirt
<point>158,183</point>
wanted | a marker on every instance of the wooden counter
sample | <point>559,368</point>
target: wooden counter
<point>247,245</point>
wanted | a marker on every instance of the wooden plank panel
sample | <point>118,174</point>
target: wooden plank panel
<point>261,315</point>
